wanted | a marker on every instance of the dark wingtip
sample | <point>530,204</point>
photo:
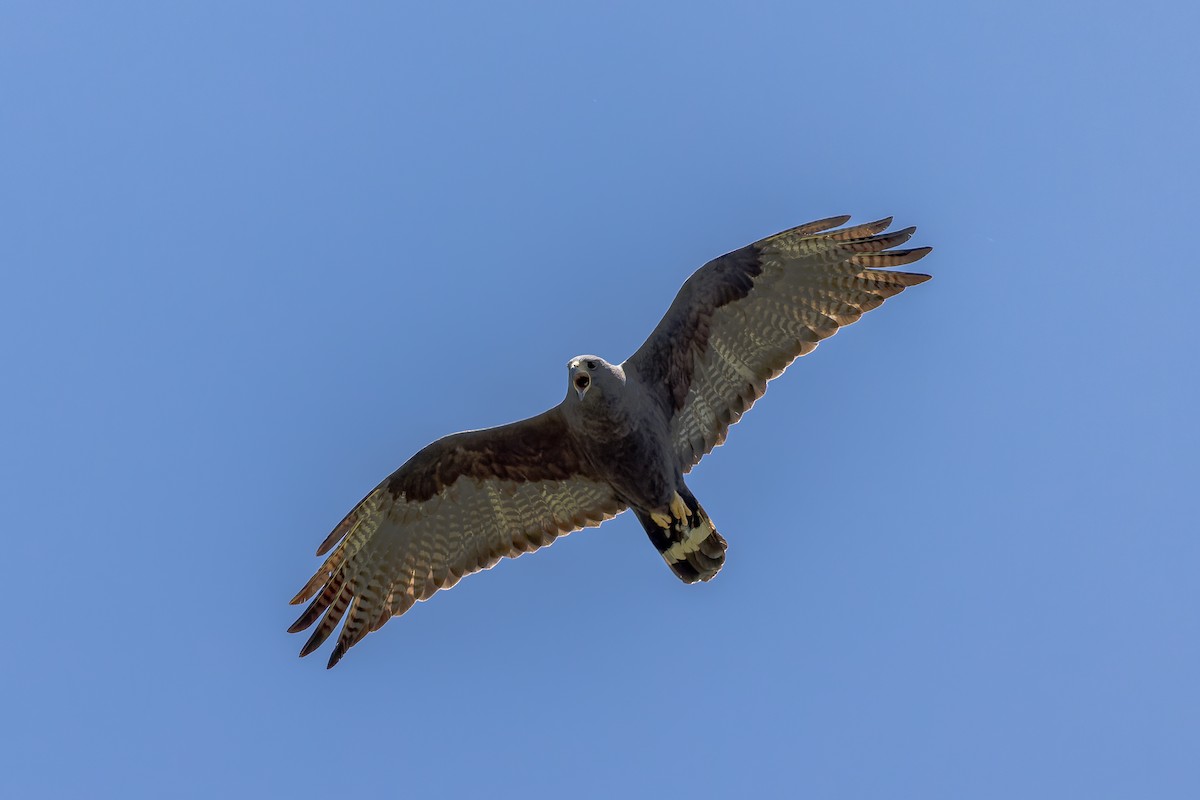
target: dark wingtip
<point>890,258</point>
<point>819,225</point>
<point>316,640</point>
<point>309,615</point>
<point>339,650</point>
<point>333,538</point>
<point>340,531</point>
<point>878,226</point>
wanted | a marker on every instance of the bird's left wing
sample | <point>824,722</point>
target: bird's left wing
<point>456,507</point>
<point>742,318</point>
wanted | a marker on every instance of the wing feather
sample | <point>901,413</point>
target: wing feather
<point>458,506</point>
<point>742,318</point>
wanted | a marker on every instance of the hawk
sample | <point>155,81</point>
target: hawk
<point>622,438</point>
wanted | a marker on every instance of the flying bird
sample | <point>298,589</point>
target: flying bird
<point>622,438</point>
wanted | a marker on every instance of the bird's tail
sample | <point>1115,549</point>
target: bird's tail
<point>686,539</point>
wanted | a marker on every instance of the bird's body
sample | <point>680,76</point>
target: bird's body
<point>619,427</point>
<point>623,437</point>
<point>624,433</point>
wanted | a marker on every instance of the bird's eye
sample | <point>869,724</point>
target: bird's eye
<point>581,382</point>
<point>591,365</point>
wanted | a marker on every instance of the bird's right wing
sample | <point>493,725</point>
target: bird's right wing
<point>742,318</point>
<point>456,507</point>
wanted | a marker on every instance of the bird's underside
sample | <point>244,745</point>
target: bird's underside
<point>470,499</point>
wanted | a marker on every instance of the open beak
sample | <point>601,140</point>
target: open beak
<point>582,382</point>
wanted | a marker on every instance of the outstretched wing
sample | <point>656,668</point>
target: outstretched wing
<point>742,318</point>
<point>454,508</point>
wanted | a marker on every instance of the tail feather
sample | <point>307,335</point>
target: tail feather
<point>689,544</point>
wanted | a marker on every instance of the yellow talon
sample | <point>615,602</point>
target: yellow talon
<point>661,520</point>
<point>679,508</point>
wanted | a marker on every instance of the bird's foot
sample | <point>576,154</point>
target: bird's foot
<point>679,508</point>
<point>679,512</point>
<point>661,520</point>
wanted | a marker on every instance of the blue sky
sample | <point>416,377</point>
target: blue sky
<point>256,255</point>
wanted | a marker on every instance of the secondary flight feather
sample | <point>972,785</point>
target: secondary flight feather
<point>622,438</point>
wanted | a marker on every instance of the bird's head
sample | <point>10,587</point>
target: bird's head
<point>592,376</point>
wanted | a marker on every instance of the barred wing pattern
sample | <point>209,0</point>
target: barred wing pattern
<point>457,507</point>
<point>741,319</point>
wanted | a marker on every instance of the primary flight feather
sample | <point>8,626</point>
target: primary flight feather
<point>623,437</point>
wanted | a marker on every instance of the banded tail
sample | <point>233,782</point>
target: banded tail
<point>686,539</point>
